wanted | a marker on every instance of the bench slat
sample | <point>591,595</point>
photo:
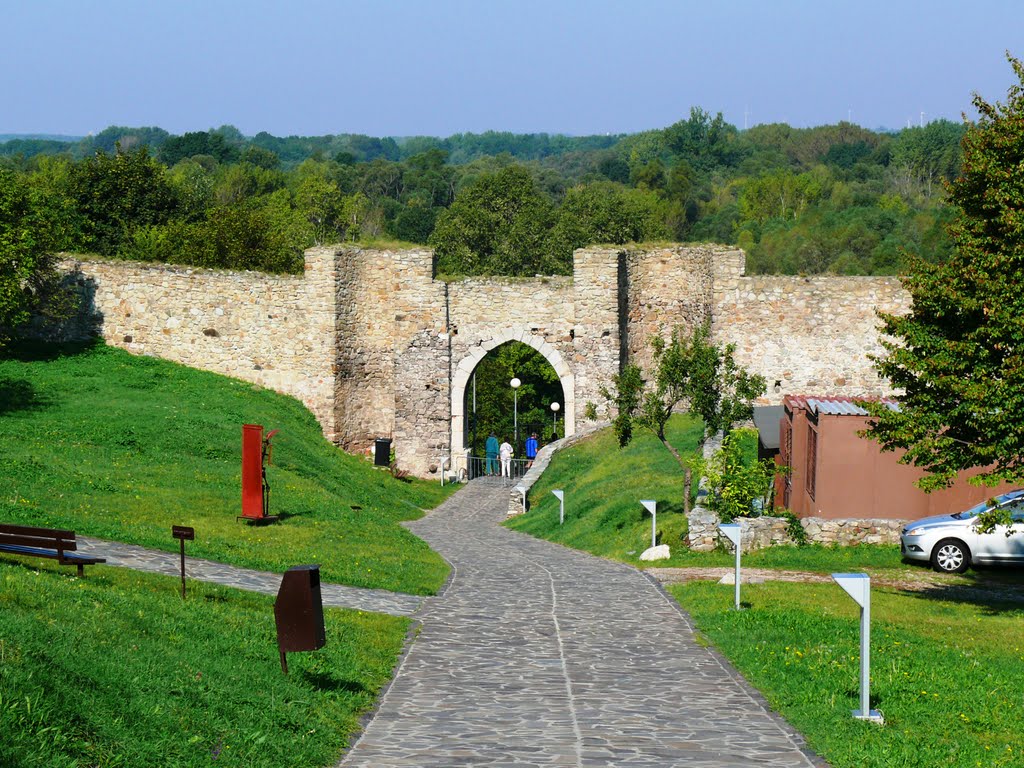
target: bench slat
<point>71,557</point>
<point>27,530</point>
<point>47,542</point>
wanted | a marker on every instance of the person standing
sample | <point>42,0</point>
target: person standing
<point>491,451</point>
<point>505,452</point>
<point>531,449</point>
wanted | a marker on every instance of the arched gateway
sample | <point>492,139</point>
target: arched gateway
<point>463,372</point>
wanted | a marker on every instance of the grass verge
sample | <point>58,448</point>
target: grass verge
<point>117,670</point>
<point>946,674</point>
<point>123,447</point>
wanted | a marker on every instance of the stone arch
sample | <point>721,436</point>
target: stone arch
<point>462,373</point>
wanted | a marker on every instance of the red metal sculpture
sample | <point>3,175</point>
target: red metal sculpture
<point>256,454</point>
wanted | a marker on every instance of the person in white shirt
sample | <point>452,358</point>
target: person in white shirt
<point>505,454</point>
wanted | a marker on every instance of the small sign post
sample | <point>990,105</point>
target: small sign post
<point>734,532</point>
<point>521,490</point>
<point>183,533</point>
<point>651,506</point>
<point>560,495</point>
<point>858,586</point>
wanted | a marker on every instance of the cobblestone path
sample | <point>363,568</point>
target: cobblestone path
<point>538,655</point>
<point>333,595</point>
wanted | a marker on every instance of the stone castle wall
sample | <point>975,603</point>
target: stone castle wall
<point>275,331</point>
<point>376,347</point>
<point>808,334</point>
<point>665,289</point>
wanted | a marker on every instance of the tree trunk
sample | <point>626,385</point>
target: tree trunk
<point>687,473</point>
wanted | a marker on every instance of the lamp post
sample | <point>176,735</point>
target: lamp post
<point>515,384</point>
<point>554,420</point>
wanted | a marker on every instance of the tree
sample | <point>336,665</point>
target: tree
<point>693,375</point>
<point>957,358</point>
<point>29,280</point>
<point>499,226</point>
<point>737,483</point>
<point>323,206</point>
<point>118,193</point>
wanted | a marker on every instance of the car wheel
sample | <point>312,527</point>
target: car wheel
<point>951,556</point>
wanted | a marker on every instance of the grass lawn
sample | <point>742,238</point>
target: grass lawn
<point>115,670</point>
<point>946,674</point>
<point>123,447</point>
<point>603,486</point>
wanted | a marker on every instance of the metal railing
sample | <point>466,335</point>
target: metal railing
<point>483,469</point>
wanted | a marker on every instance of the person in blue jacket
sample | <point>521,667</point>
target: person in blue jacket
<point>491,451</point>
<point>531,449</point>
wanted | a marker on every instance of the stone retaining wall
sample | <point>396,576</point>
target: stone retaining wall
<point>762,532</point>
<point>544,455</point>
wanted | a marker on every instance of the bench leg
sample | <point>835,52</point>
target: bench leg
<point>81,571</point>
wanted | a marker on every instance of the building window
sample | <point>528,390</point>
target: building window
<point>812,460</point>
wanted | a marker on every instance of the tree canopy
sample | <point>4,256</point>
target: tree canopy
<point>957,358</point>
<point>830,199</point>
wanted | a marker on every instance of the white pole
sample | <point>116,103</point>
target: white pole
<point>652,506</point>
<point>858,586</point>
<point>734,532</point>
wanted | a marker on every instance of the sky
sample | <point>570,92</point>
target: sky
<point>440,67</point>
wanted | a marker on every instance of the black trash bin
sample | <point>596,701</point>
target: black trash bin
<point>382,452</point>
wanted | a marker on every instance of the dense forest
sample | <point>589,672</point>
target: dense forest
<point>832,199</point>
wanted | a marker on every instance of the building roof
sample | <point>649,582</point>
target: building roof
<point>835,406</point>
<point>766,419</point>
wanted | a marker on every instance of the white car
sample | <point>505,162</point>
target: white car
<point>951,543</point>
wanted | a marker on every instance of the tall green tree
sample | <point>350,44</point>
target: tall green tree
<point>690,374</point>
<point>29,281</point>
<point>499,226</point>
<point>119,193</point>
<point>957,358</point>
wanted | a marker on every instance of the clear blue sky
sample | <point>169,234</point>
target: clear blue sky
<point>438,67</point>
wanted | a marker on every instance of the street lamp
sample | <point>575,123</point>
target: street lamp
<point>554,420</point>
<point>515,384</point>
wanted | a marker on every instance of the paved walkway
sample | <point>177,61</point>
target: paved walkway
<point>333,595</point>
<point>538,655</point>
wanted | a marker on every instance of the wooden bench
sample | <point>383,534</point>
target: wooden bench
<point>45,542</point>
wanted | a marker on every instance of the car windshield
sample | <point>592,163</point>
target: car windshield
<point>974,511</point>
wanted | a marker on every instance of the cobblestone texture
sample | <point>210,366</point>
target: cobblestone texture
<point>538,655</point>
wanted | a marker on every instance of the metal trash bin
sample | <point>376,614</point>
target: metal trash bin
<point>299,612</point>
<point>382,452</point>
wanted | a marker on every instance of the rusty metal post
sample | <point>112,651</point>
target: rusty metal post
<point>183,533</point>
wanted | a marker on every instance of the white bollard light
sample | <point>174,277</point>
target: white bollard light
<point>560,495</point>
<point>858,586</point>
<point>734,532</point>
<point>651,506</point>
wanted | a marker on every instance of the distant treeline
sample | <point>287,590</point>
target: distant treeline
<point>836,198</point>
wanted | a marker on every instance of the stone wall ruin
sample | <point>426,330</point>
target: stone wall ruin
<point>375,346</point>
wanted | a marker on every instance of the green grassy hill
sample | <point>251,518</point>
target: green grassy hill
<point>124,447</point>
